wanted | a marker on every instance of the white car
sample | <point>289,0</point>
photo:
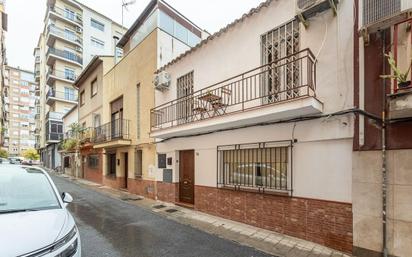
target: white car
<point>34,220</point>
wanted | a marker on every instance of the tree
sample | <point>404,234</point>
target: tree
<point>73,143</point>
<point>31,154</point>
<point>4,154</point>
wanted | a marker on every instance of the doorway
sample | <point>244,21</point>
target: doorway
<point>187,176</point>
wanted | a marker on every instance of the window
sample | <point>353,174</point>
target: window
<point>94,88</point>
<point>97,43</point>
<point>69,74</point>
<point>93,161</point>
<point>184,88</point>
<point>138,163</point>
<point>24,83</point>
<point>97,25</point>
<point>69,14</point>
<point>82,98</point>
<point>69,94</point>
<point>96,120</point>
<point>262,166</point>
<point>69,34</point>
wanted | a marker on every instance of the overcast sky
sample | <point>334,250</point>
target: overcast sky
<point>26,19</point>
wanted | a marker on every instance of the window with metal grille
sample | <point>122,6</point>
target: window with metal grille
<point>281,76</point>
<point>184,93</point>
<point>93,161</point>
<point>260,166</point>
<point>138,163</point>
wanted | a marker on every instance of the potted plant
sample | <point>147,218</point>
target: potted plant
<point>401,77</point>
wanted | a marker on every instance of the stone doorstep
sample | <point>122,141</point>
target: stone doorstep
<point>265,240</point>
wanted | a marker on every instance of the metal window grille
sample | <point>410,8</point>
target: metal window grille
<point>277,44</point>
<point>184,91</point>
<point>375,10</point>
<point>261,166</point>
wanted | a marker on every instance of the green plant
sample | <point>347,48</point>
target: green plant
<point>4,154</point>
<point>31,154</point>
<point>69,144</point>
<point>400,76</point>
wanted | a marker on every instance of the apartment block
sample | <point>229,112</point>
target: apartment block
<point>72,35</point>
<point>19,110</point>
<point>3,61</point>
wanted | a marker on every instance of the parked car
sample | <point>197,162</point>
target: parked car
<point>34,220</point>
<point>27,162</point>
<point>14,160</point>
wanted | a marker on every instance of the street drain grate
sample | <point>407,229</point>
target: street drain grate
<point>160,206</point>
<point>131,199</point>
<point>171,210</point>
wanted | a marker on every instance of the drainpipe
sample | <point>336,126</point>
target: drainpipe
<point>384,158</point>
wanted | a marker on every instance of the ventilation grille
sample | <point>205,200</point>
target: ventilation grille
<point>376,10</point>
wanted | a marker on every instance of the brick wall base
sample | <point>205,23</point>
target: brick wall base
<point>165,191</point>
<point>95,174</point>
<point>114,182</point>
<point>323,222</point>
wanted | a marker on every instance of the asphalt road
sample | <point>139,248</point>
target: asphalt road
<point>111,227</point>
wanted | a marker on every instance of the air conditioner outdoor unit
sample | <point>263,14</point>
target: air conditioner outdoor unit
<point>79,29</point>
<point>79,49</point>
<point>382,14</point>
<point>162,81</point>
<point>306,9</point>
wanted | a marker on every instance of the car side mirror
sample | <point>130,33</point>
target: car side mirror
<point>67,198</point>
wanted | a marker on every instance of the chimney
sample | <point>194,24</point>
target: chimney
<point>116,39</point>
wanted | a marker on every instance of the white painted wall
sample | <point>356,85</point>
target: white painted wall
<point>69,119</point>
<point>323,143</point>
<point>168,48</point>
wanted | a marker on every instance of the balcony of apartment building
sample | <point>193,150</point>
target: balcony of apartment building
<point>68,36</point>
<point>66,15</point>
<point>71,57</point>
<point>68,96</point>
<point>112,134</point>
<point>283,89</point>
<point>66,76</point>
<point>56,116</point>
<point>54,127</point>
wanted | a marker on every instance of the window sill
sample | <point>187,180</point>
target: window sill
<point>256,190</point>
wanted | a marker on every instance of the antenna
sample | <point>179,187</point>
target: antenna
<point>124,6</point>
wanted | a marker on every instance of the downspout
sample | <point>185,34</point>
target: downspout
<point>384,158</point>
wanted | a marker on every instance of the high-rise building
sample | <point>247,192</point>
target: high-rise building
<point>19,110</point>
<point>3,29</point>
<point>72,34</point>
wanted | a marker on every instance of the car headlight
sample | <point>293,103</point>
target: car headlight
<point>70,250</point>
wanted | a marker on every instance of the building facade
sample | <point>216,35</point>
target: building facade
<point>73,33</point>
<point>3,61</point>
<point>257,122</point>
<point>19,110</point>
<point>382,157</point>
<point>90,85</point>
<point>159,34</point>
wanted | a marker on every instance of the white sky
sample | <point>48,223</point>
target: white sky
<point>26,19</point>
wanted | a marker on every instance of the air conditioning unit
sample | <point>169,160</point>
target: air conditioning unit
<point>382,14</point>
<point>79,29</point>
<point>162,81</point>
<point>79,49</point>
<point>306,9</point>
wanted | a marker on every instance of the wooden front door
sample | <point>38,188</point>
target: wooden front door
<point>187,176</point>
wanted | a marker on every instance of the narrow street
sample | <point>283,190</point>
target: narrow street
<point>111,227</point>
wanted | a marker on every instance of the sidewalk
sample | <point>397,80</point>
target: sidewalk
<point>264,240</point>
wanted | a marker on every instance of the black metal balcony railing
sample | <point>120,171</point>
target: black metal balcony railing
<point>68,96</point>
<point>117,129</point>
<point>62,74</point>
<point>67,14</point>
<point>65,54</point>
<point>285,79</point>
<point>70,36</point>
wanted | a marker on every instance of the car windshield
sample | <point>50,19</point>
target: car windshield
<point>25,189</point>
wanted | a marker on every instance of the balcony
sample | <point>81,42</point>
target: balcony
<point>54,54</point>
<point>57,116</point>
<point>65,15</point>
<point>54,32</point>
<point>68,97</point>
<point>112,134</point>
<point>400,104</point>
<point>54,137</point>
<point>283,89</point>
<point>65,76</point>
<point>37,76</point>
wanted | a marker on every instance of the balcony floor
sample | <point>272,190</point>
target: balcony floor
<point>113,144</point>
<point>270,113</point>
